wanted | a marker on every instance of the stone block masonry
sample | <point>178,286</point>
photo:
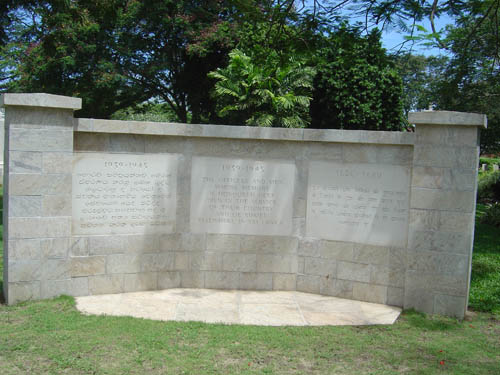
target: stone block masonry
<point>99,206</point>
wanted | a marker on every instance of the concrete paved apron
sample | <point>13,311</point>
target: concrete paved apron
<point>240,307</point>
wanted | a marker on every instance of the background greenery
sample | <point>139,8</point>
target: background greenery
<point>316,63</point>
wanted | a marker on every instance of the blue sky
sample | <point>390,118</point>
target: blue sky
<point>392,39</point>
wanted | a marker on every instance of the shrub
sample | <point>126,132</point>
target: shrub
<point>492,215</point>
<point>488,187</point>
<point>489,162</point>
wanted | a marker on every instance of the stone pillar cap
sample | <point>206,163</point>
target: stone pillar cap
<point>40,100</point>
<point>447,118</point>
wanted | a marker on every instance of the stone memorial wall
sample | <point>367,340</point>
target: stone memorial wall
<point>100,206</point>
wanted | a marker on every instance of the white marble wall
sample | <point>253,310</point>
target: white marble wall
<point>383,217</point>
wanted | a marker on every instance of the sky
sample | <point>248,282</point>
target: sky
<point>392,39</point>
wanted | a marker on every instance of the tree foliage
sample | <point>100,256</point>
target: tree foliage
<point>356,86</point>
<point>272,92</point>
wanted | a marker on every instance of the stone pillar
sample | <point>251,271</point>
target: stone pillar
<point>442,209</point>
<point>37,196</point>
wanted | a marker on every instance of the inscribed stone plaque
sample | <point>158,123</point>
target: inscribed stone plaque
<point>124,193</point>
<point>242,196</point>
<point>364,203</point>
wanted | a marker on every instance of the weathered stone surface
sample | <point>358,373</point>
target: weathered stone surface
<point>193,242</point>
<point>181,261</point>
<point>355,153</point>
<point>257,194</point>
<point>127,143</point>
<point>120,263</point>
<point>79,246</point>
<point>85,266</point>
<point>239,262</point>
<point>91,142</point>
<point>427,284</point>
<point>56,205</point>
<point>395,296</point>
<point>20,292</point>
<point>40,100</point>
<point>55,247</point>
<point>57,162</point>
<point>157,262</point>
<point>205,261</point>
<point>25,205</point>
<point>445,156</point>
<point>24,270</point>
<point>447,118</point>
<point>24,250</point>
<point>450,305</point>
<point>444,178</point>
<point>268,244</point>
<point>36,184</point>
<point>223,242</point>
<point>419,299</point>
<point>462,201</point>
<point>277,263</point>
<point>369,292</point>
<point>222,280</point>
<point>136,282</point>
<point>170,242</point>
<point>353,271</point>
<point>447,135</point>
<point>364,203</point>
<point>368,254</point>
<point>387,276</point>
<point>56,269</point>
<point>458,243</point>
<point>167,280</point>
<point>308,283</point>
<point>102,245</point>
<point>256,281</point>
<point>105,284</point>
<point>433,220</point>
<point>320,267</point>
<point>192,279</point>
<point>25,162</point>
<point>336,288</point>
<point>124,193</point>
<point>422,262</point>
<point>284,281</point>
<point>28,139</point>
<point>439,263</point>
<point>72,287</point>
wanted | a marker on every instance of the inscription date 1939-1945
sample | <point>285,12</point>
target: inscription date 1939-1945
<point>126,164</point>
<point>243,168</point>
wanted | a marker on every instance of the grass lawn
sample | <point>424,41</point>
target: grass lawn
<point>52,337</point>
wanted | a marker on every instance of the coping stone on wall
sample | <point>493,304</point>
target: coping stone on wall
<point>242,132</point>
<point>448,118</point>
<point>40,100</point>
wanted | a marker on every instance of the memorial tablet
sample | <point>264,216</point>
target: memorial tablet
<point>124,193</point>
<point>237,196</point>
<point>363,203</point>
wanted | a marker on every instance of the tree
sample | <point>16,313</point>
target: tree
<point>356,86</point>
<point>471,81</point>
<point>117,53</point>
<point>273,92</point>
<point>420,76</point>
<point>69,48</point>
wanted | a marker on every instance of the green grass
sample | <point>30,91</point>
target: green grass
<point>52,337</point>
<point>485,279</point>
<point>49,337</point>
